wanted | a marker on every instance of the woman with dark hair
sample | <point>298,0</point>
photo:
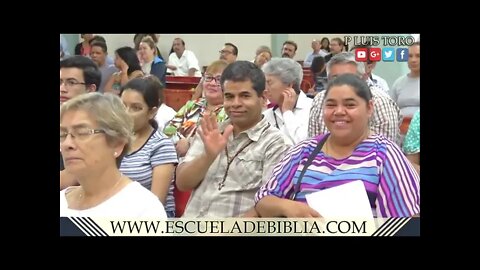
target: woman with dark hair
<point>126,61</point>
<point>83,48</point>
<point>325,46</point>
<point>152,159</point>
<point>350,152</point>
<point>318,70</point>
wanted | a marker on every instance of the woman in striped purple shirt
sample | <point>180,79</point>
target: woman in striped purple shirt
<point>349,152</point>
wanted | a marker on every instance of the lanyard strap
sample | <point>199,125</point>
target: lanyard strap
<point>229,161</point>
<point>305,166</point>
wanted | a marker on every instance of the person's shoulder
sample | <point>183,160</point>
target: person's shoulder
<point>158,138</point>
<point>379,94</point>
<point>384,143</point>
<point>304,100</point>
<point>319,97</point>
<point>416,116</point>
<point>268,111</point>
<point>167,108</point>
<point>136,74</point>
<point>400,80</point>
<point>141,193</point>
<point>189,53</point>
<point>157,60</point>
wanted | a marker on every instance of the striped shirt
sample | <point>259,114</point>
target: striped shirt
<point>385,119</point>
<point>247,172</point>
<point>391,182</point>
<point>139,165</point>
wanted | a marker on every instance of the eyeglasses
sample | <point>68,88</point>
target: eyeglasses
<point>209,78</point>
<point>79,133</point>
<point>70,82</point>
<point>225,52</point>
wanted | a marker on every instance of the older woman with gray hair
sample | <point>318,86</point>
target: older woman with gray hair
<point>290,115</point>
<point>95,134</point>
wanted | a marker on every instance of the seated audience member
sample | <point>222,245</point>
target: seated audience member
<point>165,113</point>
<point>318,67</point>
<point>95,134</point>
<point>316,52</point>
<point>260,49</point>
<point>183,62</point>
<point>99,55</point>
<point>263,56</point>
<point>406,89</point>
<point>137,38</point>
<point>229,52</point>
<point>126,61</point>
<point>152,64</point>
<point>78,75</point>
<point>325,47</point>
<point>373,79</point>
<point>152,157</point>
<point>336,46</point>
<point>228,162</point>
<point>386,116</point>
<point>98,38</point>
<point>289,49</point>
<point>182,128</point>
<point>411,144</point>
<point>83,48</point>
<point>350,152</point>
<point>290,115</point>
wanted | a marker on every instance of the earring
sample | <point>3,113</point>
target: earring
<point>115,154</point>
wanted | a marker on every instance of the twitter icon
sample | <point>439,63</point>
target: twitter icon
<point>388,54</point>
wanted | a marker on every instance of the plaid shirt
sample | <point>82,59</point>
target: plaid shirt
<point>248,172</point>
<point>385,119</point>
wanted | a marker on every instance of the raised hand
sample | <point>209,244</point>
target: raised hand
<point>213,140</point>
<point>123,65</point>
<point>289,99</point>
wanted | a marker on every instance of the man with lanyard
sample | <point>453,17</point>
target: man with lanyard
<point>228,163</point>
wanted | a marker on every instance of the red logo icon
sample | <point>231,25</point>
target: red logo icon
<point>375,54</point>
<point>361,54</point>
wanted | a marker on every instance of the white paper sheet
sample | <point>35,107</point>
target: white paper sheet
<point>347,200</point>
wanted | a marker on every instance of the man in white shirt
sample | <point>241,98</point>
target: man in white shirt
<point>183,62</point>
<point>316,45</point>
<point>373,79</point>
<point>292,111</point>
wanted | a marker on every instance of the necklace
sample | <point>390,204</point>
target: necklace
<point>82,193</point>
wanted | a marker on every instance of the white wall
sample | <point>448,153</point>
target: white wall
<point>304,43</point>
<point>205,46</point>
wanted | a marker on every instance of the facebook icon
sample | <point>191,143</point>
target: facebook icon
<point>402,54</point>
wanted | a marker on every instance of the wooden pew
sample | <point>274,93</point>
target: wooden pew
<point>176,98</point>
<point>182,82</point>
<point>179,90</point>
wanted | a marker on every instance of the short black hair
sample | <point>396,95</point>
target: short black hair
<point>91,73</point>
<point>360,87</point>
<point>241,71</point>
<point>235,49</point>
